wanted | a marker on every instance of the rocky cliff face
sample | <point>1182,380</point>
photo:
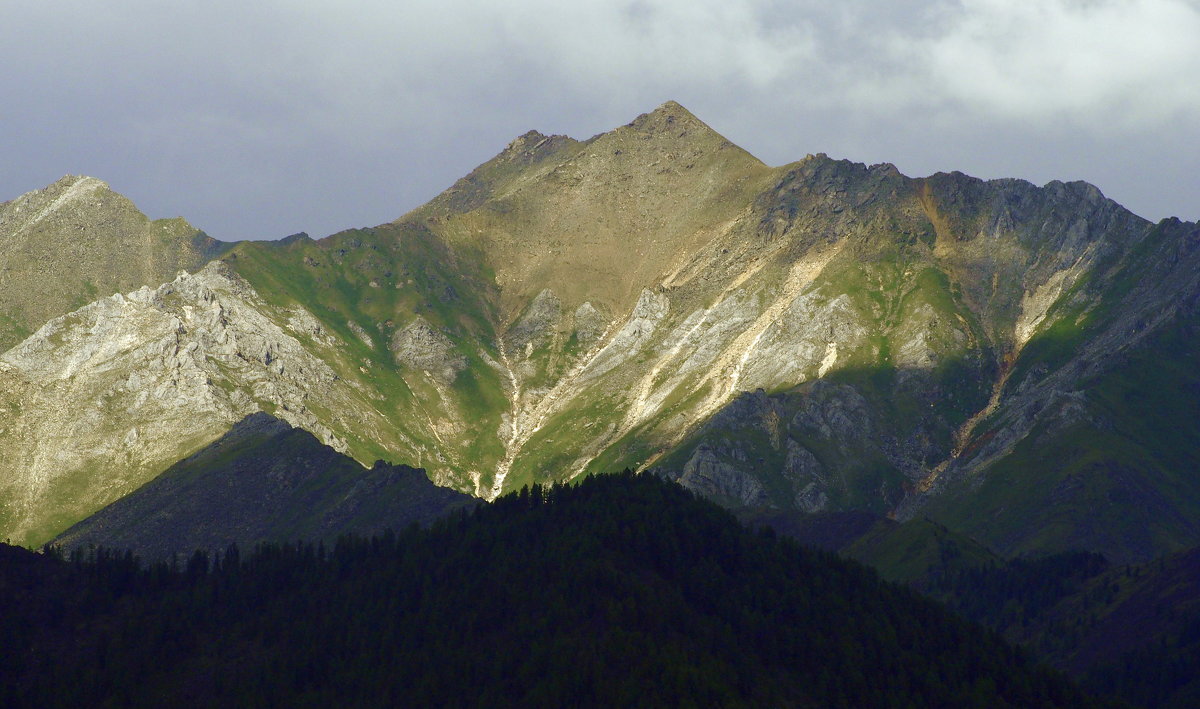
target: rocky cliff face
<point>820,336</point>
<point>98,401</point>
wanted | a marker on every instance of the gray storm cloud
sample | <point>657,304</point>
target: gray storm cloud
<point>257,121</point>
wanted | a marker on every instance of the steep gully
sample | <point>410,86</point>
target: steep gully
<point>724,376</point>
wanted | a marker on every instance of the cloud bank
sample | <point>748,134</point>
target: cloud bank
<point>256,121</point>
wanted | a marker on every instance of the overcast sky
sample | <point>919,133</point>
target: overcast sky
<point>258,120</point>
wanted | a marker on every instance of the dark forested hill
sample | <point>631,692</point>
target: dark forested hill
<point>622,591</point>
<point>1129,630</point>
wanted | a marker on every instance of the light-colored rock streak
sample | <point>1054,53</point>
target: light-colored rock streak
<point>726,373</point>
<point>1036,304</point>
<point>513,444</point>
<point>962,437</point>
<point>564,389</point>
<point>830,359</point>
<point>78,189</point>
<point>639,328</point>
<point>732,361</point>
<point>524,423</point>
<point>433,427</point>
<point>637,412</point>
<point>640,411</point>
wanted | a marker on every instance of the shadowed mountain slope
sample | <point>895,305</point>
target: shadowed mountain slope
<point>262,481</point>
<point>1132,631</point>
<point>1126,630</point>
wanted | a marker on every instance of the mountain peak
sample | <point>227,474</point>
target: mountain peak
<point>33,207</point>
<point>529,148</point>
<point>668,117</point>
<point>84,181</point>
<point>671,107</point>
<point>525,140</point>
<point>650,189</point>
<point>76,240</point>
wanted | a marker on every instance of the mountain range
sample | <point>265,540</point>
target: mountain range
<point>1016,363</point>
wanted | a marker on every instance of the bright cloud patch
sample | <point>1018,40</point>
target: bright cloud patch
<point>1133,61</point>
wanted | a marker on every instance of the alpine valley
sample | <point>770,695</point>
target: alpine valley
<point>1016,363</point>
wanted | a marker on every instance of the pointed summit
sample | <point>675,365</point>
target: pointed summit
<point>85,180</point>
<point>646,190</point>
<point>74,184</point>
<point>28,210</point>
<point>670,135</point>
<point>671,123</point>
<point>485,181</point>
<point>669,116</point>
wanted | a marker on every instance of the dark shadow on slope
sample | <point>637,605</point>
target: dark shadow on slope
<point>1109,460</point>
<point>262,481</point>
<point>1083,452</point>
<point>857,439</point>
